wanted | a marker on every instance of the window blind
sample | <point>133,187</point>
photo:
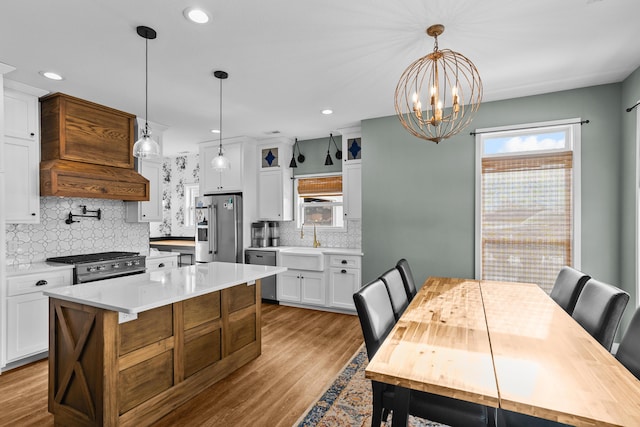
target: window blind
<point>326,185</point>
<point>526,217</point>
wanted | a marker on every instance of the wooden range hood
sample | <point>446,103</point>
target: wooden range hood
<point>86,151</point>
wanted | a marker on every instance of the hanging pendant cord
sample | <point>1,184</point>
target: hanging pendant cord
<point>220,147</point>
<point>146,86</point>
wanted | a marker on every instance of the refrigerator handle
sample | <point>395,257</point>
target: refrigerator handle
<point>213,241</point>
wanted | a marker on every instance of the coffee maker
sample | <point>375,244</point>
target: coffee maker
<point>259,234</point>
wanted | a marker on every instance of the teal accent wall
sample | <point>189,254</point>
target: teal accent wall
<point>315,152</point>
<point>628,160</point>
<point>419,197</point>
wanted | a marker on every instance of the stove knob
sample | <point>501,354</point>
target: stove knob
<point>92,269</point>
<point>102,267</point>
<point>129,263</point>
<point>136,262</point>
<point>115,265</point>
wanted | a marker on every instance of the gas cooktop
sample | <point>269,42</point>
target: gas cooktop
<point>100,256</point>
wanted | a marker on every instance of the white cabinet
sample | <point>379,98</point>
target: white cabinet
<point>275,188</point>
<point>230,180</point>
<point>151,210</point>
<point>352,173</point>
<point>27,329</point>
<point>164,261</point>
<point>344,280</point>
<point>275,196</point>
<point>288,285</point>
<point>22,153</point>
<point>305,287</point>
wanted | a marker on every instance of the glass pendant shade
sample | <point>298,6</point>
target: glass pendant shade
<point>146,147</point>
<point>220,163</point>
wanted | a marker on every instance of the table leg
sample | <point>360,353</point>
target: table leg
<point>401,401</point>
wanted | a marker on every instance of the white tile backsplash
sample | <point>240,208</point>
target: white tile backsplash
<point>53,237</point>
<point>351,238</point>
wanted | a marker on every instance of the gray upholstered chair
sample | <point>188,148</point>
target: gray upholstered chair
<point>395,286</point>
<point>629,350</point>
<point>599,309</point>
<point>407,278</point>
<point>377,320</point>
<point>567,287</point>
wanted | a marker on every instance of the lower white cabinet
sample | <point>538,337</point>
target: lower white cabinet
<point>332,288</point>
<point>27,325</point>
<point>165,261</point>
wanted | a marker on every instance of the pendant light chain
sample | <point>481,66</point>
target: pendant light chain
<point>220,127</point>
<point>146,86</point>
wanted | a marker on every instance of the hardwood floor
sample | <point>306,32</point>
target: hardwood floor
<point>302,352</point>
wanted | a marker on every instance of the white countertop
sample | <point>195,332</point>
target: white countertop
<point>324,250</point>
<point>142,292</point>
<point>36,267</point>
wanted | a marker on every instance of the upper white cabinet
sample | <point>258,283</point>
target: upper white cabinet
<point>275,190</point>
<point>151,210</point>
<point>152,170</point>
<point>352,172</point>
<point>230,180</point>
<point>22,153</point>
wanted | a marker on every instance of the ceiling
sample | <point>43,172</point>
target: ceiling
<point>289,59</point>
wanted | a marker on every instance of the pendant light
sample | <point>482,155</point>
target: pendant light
<point>327,160</point>
<point>220,163</point>
<point>450,86</point>
<point>145,147</point>
<point>292,163</point>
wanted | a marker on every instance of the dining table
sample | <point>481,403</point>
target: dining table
<point>508,346</point>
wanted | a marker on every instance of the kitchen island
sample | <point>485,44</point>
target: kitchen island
<point>127,351</point>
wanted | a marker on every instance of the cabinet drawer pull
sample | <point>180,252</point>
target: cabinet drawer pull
<point>344,261</point>
<point>33,214</point>
<point>161,265</point>
<point>343,271</point>
<point>41,283</point>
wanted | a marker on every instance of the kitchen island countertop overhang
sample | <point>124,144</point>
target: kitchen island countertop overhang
<point>141,292</point>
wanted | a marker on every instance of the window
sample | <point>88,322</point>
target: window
<point>527,202</point>
<point>319,201</point>
<point>191,191</point>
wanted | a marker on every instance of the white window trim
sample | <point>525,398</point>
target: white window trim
<point>575,129</point>
<point>297,209</point>
<point>189,211</point>
<point>637,207</point>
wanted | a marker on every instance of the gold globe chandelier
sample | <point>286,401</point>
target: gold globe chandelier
<point>438,94</point>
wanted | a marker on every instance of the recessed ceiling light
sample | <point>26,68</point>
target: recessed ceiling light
<point>215,130</point>
<point>196,15</point>
<point>327,111</point>
<point>51,75</point>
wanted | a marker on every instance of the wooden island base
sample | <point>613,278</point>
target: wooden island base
<point>132,374</point>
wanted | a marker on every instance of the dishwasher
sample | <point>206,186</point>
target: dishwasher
<point>268,283</point>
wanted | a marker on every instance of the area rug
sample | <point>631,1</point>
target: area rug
<point>347,402</point>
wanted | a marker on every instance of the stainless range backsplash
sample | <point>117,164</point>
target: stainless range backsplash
<point>53,237</point>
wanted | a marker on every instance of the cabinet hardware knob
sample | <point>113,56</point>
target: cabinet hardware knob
<point>161,265</point>
<point>32,134</point>
<point>344,261</point>
<point>41,283</point>
<point>343,271</point>
<point>33,214</point>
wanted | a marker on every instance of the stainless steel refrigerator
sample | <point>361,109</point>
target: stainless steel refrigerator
<point>219,228</point>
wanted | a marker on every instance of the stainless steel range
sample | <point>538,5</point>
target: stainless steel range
<point>103,265</point>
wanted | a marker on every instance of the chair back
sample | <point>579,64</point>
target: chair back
<point>395,286</point>
<point>629,350</point>
<point>407,278</point>
<point>599,309</point>
<point>567,288</point>
<point>375,314</point>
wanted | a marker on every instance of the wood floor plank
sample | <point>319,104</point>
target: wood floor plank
<point>302,352</point>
